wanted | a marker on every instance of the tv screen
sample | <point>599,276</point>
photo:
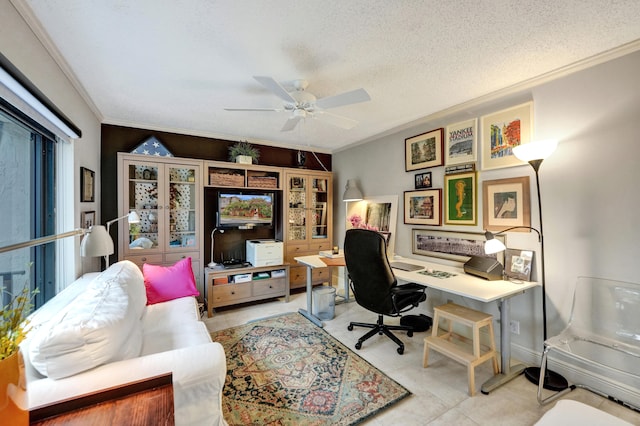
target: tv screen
<point>244,210</point>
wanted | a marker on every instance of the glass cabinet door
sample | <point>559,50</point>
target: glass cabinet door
<point>297,199</point>
<point>319,208</point>
<point>145,199</point>
<point>182,206</point>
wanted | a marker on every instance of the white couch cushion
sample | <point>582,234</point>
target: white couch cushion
<point>101,325</point>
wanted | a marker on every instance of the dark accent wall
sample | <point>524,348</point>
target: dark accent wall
<point>116,139</point>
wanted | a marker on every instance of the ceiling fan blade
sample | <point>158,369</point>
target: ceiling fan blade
<point>275,87</point>
<point>335,120</point>
<point>347,98</point>
<point>253,109</point>
<point>290,124</point>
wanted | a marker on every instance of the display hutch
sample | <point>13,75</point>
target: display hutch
<point>308,220</point>
<point>166,193</point>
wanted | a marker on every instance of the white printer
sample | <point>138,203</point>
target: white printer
<point>264,252</point>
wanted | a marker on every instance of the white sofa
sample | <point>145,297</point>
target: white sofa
<point>85,327</point>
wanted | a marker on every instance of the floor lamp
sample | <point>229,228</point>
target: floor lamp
<point>534,153</point>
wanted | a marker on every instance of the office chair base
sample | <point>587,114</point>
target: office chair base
<point>380,328</point>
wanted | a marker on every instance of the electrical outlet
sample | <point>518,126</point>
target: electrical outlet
<point>514,326</point>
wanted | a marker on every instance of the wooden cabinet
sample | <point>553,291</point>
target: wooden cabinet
<point>259,283</point>
<point>166,193</point>
<point>308,220</point>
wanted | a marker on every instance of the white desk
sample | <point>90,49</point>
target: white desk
<point>316,261</point>
<point>478,289</point>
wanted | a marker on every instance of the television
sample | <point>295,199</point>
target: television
<point>245,210</point>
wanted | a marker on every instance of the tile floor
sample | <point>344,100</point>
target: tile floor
<point>439,392</point>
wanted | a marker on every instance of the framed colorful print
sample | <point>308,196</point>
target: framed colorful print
<point>457,246</point>
<point>423,207</point>
<point>460,143</point>
<point>503,130</point>
<point>423,151</point>
<point>423,180</point>
<point>506,203</point>
<point>87,185</point>
<point>517,264</point>
<point>460,199</point>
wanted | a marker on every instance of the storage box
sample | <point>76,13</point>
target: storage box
<point>241,278</point>
<point>226,179</point>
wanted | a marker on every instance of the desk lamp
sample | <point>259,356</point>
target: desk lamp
<point>535,153</point>
<point>132,217</point>
<point>213,264</point>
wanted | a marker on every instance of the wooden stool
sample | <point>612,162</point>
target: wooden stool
<point>444,344</point>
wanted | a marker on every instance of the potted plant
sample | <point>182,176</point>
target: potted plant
<point>243,152</point>
<point>14,327</point>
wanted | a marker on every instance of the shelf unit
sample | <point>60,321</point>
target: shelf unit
<point>222,291</point>
<point>308,227</point>
<point>166,193</point>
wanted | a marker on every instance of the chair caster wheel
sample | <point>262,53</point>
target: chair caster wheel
<point>401,350</point>
<point>358,345</point>
<point>410,333</point>
<point>350,327</point>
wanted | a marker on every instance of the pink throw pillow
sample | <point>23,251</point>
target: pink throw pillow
<point>165,283</point>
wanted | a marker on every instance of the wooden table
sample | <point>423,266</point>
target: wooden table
<point>144,402</point>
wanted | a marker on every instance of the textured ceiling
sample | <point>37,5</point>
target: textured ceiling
<point>175,65</point>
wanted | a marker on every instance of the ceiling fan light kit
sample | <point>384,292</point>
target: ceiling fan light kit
<point>302,104</point>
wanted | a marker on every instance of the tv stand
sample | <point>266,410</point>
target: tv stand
<point>266,282</point>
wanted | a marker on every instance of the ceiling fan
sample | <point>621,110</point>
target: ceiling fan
<point>303,104</point>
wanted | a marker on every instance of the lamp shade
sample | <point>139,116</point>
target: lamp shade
<point>133,217</point>
<point>493,246</point>
<point>352,192</point>
<point>538,150</point>
<point>97,242</point>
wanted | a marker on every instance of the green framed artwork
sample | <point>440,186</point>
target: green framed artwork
<point>460,203</point>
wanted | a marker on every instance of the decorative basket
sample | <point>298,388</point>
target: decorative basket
<point>268,182</point>
<point>226,179</point>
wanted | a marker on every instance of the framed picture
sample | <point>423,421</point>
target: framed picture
<point>189,241</point>
<point>518,264</point>
<point>460,143</point>
<point>460,199</point>
<point>423,207</point>
<point>503,130</point>
<point>87,185</point>
<point>378,213</point>
<point>506,203</point>
<point>87,219</point>
<point>423,180</point>
<point>423,151</point>
<point>457,246</point>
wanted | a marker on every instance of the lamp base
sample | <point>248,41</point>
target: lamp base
<point>552,380</point>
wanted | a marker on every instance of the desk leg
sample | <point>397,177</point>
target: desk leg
<point>508,372</point>
<point>345,297</point>
<point>308,313</point>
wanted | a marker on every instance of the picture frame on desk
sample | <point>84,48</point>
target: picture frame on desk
<point>506,203</point>
<point>423,207</point>
<point>424,150</point>
<point>460,199</point>
<point>450,245</point>
<point>518,264</point>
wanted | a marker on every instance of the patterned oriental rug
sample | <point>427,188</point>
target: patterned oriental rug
<point>284,370</point>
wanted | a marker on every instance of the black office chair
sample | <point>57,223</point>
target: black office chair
<point>374,286</point>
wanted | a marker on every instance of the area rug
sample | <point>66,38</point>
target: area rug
<point>285,370</point>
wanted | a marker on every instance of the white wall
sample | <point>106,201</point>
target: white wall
<point>25,51</point>
<point>590,198</point>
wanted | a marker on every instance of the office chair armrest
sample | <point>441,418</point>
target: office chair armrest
<point>408,288</point>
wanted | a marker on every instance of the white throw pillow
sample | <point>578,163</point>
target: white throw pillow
<point>99,326</point>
